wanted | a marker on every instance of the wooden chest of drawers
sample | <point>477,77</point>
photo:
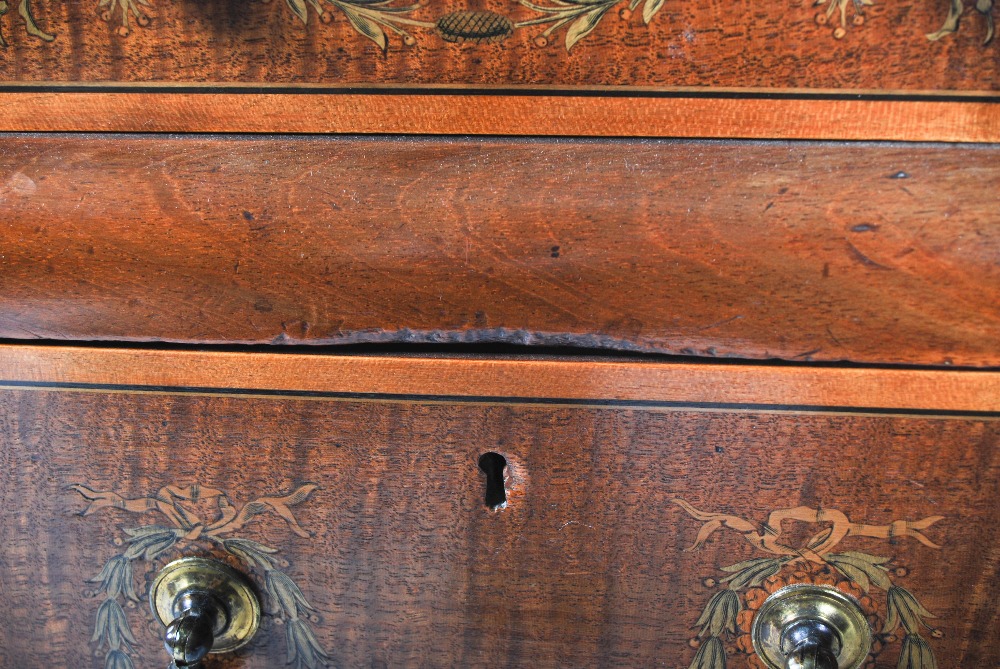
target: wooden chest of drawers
<point>522,334</point>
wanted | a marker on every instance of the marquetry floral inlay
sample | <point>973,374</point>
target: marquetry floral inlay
<point>203,518</point>
<point>743,586</point>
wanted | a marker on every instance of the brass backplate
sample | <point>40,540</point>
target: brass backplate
<point>796,603</point>
<point>229,587</point>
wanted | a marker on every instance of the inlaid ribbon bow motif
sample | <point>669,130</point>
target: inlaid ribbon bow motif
<point>730,611</point>
<point>182,509</point>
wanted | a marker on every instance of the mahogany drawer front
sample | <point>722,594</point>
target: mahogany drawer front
<point>627,497</point>
<point>874,253</point>
<point>664,46</point>
<point>889,70</point>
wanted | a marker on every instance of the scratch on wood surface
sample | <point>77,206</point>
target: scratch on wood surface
<point>718,323</point>
<point>863,259</point>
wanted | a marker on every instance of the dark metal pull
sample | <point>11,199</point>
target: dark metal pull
<point>811,644</point>
<point>190,637</point>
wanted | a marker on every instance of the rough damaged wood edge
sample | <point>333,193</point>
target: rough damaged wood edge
<point>477,377</point>
<point>556,115</point>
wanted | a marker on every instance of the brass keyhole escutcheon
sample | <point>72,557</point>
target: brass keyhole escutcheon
<point>811,627</point>
<point>205,606</point>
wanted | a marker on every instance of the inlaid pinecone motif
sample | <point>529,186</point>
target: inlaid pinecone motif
<point>476,27</point>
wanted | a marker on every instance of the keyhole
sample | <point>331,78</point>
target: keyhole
<point>493,465</point>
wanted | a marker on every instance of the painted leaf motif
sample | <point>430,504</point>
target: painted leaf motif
<point>903,608</point>
<point>146,530</point>
<point>584,25</point>
<point>251,552</point>
<point>112,628</point>
<point>950,23</point>
<point>650,9</point>
<point>116,578</point>
<point>303,647</point>
<point>150,542</point>
<point>861,568</point>
<point>985,9</point>
<point>865,557</point>
<point>916,654</point>
<point>891,618</point>
<point>29,23</point>
<point>705,619</point>
<point>366,27</point>
<point>751,573</point>
<point>118,660</point>
<point>720,614</point>
<point>286,594</point>
<point>746,564</point>
<point>853,573</point>
<point>299,7</point>
<point>711,655</point>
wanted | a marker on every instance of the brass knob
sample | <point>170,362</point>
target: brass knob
<point>206,607</point>
<point>811,627</point>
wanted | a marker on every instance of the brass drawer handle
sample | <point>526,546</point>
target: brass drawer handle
<point>206,607</point>
<point>811,627</point>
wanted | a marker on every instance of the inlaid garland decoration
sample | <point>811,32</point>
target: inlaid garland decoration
<point>574,19</point>
<point>892,610</point>
<point>180,524</point>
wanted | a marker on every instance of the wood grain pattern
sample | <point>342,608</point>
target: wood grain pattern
<point>404,566</point>
<point>937,120</point>
<point>868,253</point>
<point>548,379</point>
<point>769,45</point>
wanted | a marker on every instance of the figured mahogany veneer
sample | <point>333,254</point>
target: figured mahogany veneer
<point>362,474</point>
<point>804,251</point>
<point>887,46</point>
